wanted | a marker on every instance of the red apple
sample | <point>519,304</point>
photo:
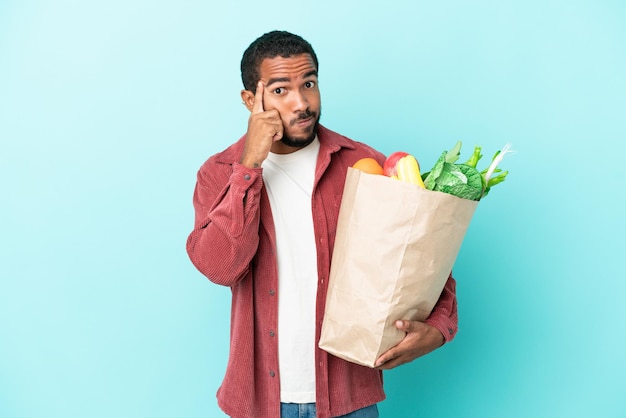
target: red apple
<point>389,167</point>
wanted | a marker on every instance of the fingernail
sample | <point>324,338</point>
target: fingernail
<point>399,324</point>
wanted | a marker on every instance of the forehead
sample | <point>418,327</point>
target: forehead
<point>293,67</point>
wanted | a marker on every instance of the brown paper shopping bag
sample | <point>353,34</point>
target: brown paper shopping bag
<point>395,246</point>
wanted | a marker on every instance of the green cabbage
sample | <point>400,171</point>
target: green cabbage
<point>463,180</point>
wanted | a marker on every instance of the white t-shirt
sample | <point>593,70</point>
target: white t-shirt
<point>289,181</point>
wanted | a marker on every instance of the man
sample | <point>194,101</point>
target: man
<point>265,219</point>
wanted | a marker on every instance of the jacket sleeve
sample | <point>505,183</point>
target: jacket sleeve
<point>444,315</point>
<point>226,229</point>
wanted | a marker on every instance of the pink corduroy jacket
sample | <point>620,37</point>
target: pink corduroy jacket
<point>233,244</point>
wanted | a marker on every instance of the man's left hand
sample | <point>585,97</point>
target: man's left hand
<point>420,339</point>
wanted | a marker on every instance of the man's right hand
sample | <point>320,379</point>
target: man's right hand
<point>264,127</point>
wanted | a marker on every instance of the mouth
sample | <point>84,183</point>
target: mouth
<point>305,120</point>
<point>303,123</point>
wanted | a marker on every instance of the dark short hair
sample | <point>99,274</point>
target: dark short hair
<point>270,45</point>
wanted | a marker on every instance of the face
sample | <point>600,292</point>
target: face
<point>291,88</point>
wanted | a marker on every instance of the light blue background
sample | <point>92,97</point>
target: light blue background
<point>108,108</point>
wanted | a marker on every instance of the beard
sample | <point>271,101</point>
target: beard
<point>304,140</point>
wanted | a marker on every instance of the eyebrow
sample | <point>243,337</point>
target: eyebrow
<point>286,79</point>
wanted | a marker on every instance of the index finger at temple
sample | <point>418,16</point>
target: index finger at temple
<point>258,99</point>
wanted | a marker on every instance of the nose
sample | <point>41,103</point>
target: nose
<point>300,102</point>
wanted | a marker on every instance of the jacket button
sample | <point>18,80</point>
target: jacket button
<point>271,333</point>
<point>246,177</point>
<point>272,374</point>
<point>272,293</point>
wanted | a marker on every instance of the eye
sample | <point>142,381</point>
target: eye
<point>279,90</point>
<point>309,84</point>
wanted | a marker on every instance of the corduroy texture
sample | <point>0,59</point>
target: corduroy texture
<point>232,244</point>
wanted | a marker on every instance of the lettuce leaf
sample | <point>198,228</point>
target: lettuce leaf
<point>464,180</point>
<point>460,180</point>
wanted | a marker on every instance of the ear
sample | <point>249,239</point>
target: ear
<point>248,99</point>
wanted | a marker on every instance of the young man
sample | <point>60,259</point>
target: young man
<point>266,213</point>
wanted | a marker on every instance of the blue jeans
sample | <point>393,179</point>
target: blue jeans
<point>307,410</point>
